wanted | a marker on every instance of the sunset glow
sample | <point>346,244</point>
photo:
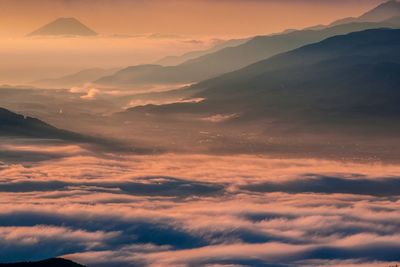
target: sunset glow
<point>171,133</point>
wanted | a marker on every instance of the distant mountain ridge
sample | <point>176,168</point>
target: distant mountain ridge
<point>348,78</point>
<point>176,60</point>
<point>382,12</point>
<point>385,10</point>
<point>233,58</point>
<point>64,27</point>
<point>75,79</point>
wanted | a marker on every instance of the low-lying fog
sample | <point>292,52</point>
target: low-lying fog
<point>204,192</point>
<point>101,112</point>
<point>104,209</point>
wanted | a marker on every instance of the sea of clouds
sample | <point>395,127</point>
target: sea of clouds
<point>104,209</point>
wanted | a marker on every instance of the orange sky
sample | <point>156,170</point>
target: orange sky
<point>180,17</point>
<point>157,28</point>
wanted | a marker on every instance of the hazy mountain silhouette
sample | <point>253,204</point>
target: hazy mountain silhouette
<point>132,75</point>
<point>382,12</point>
<point>64,26</point>
<point>75,79</point>
<point>55,262</point>
<point>353,77</point>
<point>176,60</point>
<point>233,58</point>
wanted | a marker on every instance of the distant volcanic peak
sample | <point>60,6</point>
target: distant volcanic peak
<point>64,26</point>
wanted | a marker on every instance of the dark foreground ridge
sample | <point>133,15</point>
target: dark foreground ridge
<point>55,262</point>
<point>19,126</point>
<point>13,124</point>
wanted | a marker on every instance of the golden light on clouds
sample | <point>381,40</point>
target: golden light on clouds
<point>200,132</point>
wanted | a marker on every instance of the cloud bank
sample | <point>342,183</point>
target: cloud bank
<point>197,210</point>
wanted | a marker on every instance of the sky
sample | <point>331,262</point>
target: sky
<point>136,32</point>
<point>179,17</point>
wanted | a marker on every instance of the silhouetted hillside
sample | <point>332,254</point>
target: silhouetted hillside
<point>348,78</point>
<point>55,262</point>
<point>12,124</point>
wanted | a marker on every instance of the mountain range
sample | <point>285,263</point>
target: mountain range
<point>176,60</point>
<point>258,48</point>
<point>346,78</point>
